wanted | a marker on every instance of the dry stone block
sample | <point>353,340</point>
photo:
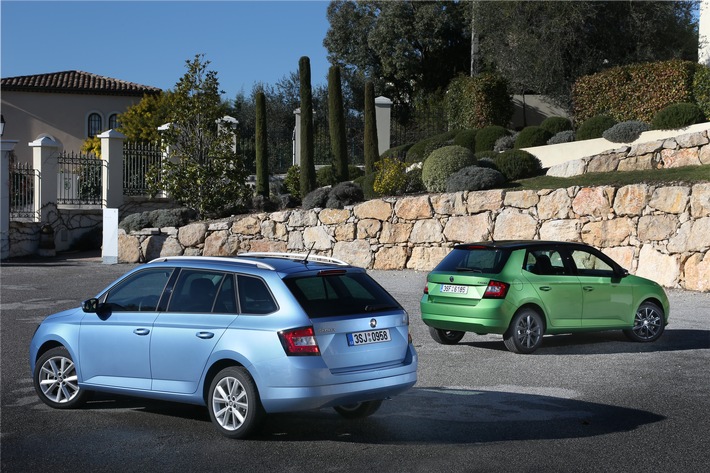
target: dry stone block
<point>391,258</point>
<point>413,208</point>
<point>480,201</point>
<point>513,225</point>
<point>220,244</point>
<point>395,232</point>
<point>593,201</point>
<point>659,267</point>
<point>357,253</point>
<point>295,240</point>
<point>368,228</point>
<point>647,148</point>
<point>345,232</point>
<point>448,204</point>
<point>280,216</point>
<point>697,272</point>
<point>691,140</point>
<point>624,255</point>
<point>376,208</point>
<point>569,168</point>
<point>700,201</point>
<point>192,234</point>
<point>704,154</point>
<point>678,158</point>
<point>317,238</point>
<point>561,230</point>
<point>156,246</point>
<point>631,199</point>
<point>556,204</point>
<point>426,231</point>
<point>521,199</point>
<point>333,216</point>
<point>303,218</point>
<point>128,248</point>
<point>657,227</point>
<point>672,199</point>
<point>424,259</point>
<point>272,230</point>
<point>468,229</point>
<point>607,233</point>
<point>605,163</point>
<point>267,245</point>
<point>636,163</point>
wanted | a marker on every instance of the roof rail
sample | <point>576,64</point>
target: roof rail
<point>220,259</point>
<point>295,257</point>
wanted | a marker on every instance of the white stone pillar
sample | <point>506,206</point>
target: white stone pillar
<point>44,160</point>
<point>7,147</point>
<point>109,248</point>
<point>297,139</point>
<point>383,114</point>
<point>704,33</point>
<point>112,170</point>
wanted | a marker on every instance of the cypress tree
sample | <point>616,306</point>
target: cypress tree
<point>371,146</point>
<point>308,167</point>
<point>336,118</point>
<point>262,157</point>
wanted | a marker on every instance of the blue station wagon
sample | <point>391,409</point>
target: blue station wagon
<point>248,335</point>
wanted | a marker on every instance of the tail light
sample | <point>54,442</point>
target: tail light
<point>426,288</point>
<point>496,290</point>
<point>299,341</point>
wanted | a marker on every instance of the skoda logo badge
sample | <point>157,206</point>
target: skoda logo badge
<point>373,323</point>
<point>451,279</point>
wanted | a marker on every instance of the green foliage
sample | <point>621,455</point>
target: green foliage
<point>355,171</point>
<point>477,102</point>
<point>316,198</point>
<point>308,166</point>
<point>336,122</point>
<point>325,176</point>
<point>517,164</point>
<point>474,178</point>
<point>594,127</point>
<point>486,137</point>
<point>371,150</point>
<point>204,172</point>
<point>678,115</point>
<point>292,181</point>
<point>625,132</point>
<point>701,89</point>
<point>505,143</point>
<point>390,176</point>
<point>367,184</point>
<point>443,162</point>
<point>158,219</point>
<point>140,122</point>
<point>91,145</point>
<point>414,183</point>
<point>556,124</point>
<point>262,156</point>
<point>532,136</point>
<point>635,91</point>
<point>418,152</point>
<point>344,193</point>
<point>398,152</point>
<point>466,138</point>
<point>566,136</point>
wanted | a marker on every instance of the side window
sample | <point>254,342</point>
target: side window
<point>113,121</point>
<point>226,302</point>
<point>545,263</point>
<point>139,292</point>
<point>589,264</point>
<point>254,296</point>
<point>195,291</point>
<point>93,125</point>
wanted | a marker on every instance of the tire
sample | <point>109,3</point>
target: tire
<point>446,337</point>
<point>233,403</point>
<point>525,332</point>
<point>649,323</point>
<point>55,380</point>
<point>359,410</point>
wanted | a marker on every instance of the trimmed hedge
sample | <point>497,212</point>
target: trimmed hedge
<point>625,132</point>
<point>532,136</point>
<point>486,137</point>
<point>474,178</point>
<point>418,152</point>
<point>678,115</point>
<point>594,127</point>
<point>466,138</point>
<point>442,163</point>
<point>556,124</point>
<point>518,164</point>
<point>701,89</point>
<point>476,102</point>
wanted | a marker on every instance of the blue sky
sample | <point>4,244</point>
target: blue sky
<point>148,42</point>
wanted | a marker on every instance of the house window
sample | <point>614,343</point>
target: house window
<point>94,123</point>
<point>113,121</point>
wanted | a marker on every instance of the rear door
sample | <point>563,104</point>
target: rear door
<point>358,325</point>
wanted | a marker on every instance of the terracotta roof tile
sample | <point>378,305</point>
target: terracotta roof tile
<point>75,82</point>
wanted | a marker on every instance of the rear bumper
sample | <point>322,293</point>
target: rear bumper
<point>488,316</point>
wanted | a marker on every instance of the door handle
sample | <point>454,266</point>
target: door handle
<point>545,288</point>
<point>588,288</point>
<point>205,335</point>
<point>141,331</point>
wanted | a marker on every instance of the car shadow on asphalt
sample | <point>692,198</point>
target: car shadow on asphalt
<point>608,342</point>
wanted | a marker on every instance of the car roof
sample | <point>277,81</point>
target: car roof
<point>519,244</point>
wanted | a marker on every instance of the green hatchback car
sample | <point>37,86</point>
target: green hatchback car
<point>525,289</point>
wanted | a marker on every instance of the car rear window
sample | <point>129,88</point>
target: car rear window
<point>474,259</point>
<point>339,293</point>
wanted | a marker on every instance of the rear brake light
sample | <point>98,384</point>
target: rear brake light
<point>331,272</point>
<point>496,290</point>
<point>426,288</point>
<point>299,341</point>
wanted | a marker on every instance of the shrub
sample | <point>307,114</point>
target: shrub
<point>566,136</point>
<point>354,172</point>
<point>292,181</point>
<point>158,219</point>
<point>531,136</point>
<point>345,193</point>
<point>422,149</point>
<point>475,102</point>
<point>625,132</point>
<point>490,155</point>
<point>325,176</point>
<point>399,152</point>
<point>390,176</point>
<point>474,178</point>
<point>414,182</point>
<point>701,89</point>
<point>678,115</point>
<point>466,138</point>
<point>316,199</point>
<point>367,183</point>
<point>594,127</point>
<point>505,143</point>
<point>486,137</point>
<point>442,163</point>
<point>556,124</point>
<point>518,164</point>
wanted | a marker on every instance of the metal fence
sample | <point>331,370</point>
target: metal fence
<point>79,179</point>
<point>139,159</point>
<point>23,181</point>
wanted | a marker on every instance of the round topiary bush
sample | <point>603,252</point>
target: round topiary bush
<point>466,138</point>
<point>325,176</point>
<point>355,171</point>
<point>160,218</point>
<point>678,115</point>
<point>367,182</point>
<point>486,137</point>
<point>345,193</point>
<point>566,136</point>
<point>556,124</point>
<point>518,164</point>
<point>625,132</point>
<point>316,198</point>
<point>422,149</point>
<point>399,152</point>
<point>505,143</point>
<point>443,162</point>
<point>474,178</point>
<point>531,136</point>
<point>292,181</point>
<point>594,127</point>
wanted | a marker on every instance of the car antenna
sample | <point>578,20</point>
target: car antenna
<point>305,260</point>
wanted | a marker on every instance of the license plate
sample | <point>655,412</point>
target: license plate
<point>372,336</point>
<point>453,289</point>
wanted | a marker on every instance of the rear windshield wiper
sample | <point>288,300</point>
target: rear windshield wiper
<point>378,307</point>
<point>462,269</point>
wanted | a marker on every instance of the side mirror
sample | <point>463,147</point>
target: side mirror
<point>622,272</point>
<point>90,305</point>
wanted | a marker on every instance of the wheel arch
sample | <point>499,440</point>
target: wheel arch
<point>657,302</point>
<point>215,368</point>
<point>537,308</point>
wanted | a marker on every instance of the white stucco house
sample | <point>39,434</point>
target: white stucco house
<point>68,106</point>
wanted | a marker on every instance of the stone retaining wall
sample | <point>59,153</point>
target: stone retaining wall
<point>662,233</point>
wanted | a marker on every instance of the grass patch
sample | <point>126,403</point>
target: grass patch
<point>674,176</point>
